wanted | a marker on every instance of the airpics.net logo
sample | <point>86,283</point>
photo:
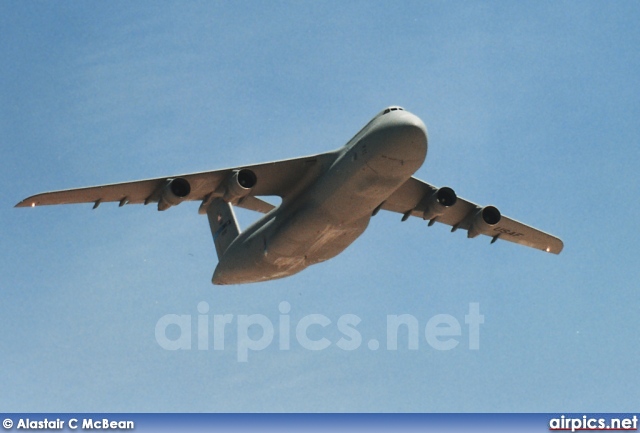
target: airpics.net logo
<point>256,332</point>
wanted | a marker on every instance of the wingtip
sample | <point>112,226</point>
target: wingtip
<point>28,202</point>
<point>556,248</point>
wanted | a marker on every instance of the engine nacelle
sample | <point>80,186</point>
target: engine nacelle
<point>438,202</point>
<point>173,193</point>
<point>239,185</point>
<point>483,221</point>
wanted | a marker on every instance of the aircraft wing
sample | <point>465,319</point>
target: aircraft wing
<point>417,198</point>
<point>279,178</point>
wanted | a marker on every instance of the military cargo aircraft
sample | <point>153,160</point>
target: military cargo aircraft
<point>327,201</point>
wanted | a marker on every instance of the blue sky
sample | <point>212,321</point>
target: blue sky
<point>530,106</point>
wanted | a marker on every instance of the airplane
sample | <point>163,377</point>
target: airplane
<point>327,201</point>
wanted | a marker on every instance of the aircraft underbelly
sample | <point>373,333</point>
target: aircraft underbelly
<point>315,231</point>
<point>328,240</point>
<point>321,229</point>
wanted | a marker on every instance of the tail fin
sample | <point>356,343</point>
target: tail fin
<point>223,223</point>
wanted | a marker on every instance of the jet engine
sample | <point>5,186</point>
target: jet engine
<point>438,202</point>
<point>173,193</point>
<point>483,221</point>
<point>239,185</point>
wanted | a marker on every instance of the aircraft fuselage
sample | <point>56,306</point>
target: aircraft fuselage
<point>322,219</point>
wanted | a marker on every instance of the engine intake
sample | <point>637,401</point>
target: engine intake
<point>239,185</point>
<point>173,193</point>
<point>438,202</point>
<point>483,221</point>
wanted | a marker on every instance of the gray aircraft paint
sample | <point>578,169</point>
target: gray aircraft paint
<point>327,202</point>
<point>334,209</point>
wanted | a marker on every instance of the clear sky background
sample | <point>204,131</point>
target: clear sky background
<point>531,106</point>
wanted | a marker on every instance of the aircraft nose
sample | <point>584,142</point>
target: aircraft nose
<point>411,137</point>
<point>400,140</point>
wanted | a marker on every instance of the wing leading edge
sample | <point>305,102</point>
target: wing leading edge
<point>417,198</point>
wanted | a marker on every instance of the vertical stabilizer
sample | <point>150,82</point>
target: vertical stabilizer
<point>223,223</point>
